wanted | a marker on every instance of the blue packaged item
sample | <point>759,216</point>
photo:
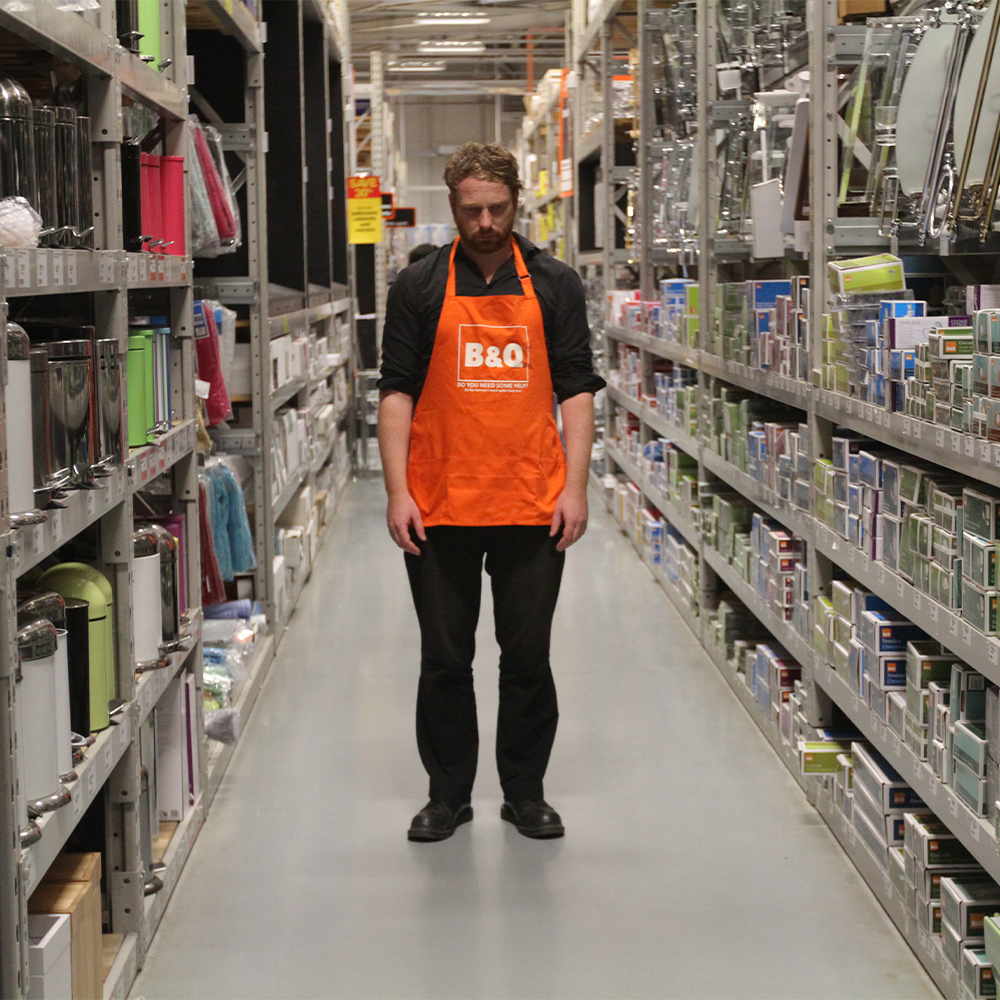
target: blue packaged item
<point>765,293</point>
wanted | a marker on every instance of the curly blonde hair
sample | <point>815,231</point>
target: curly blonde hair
<point>486,161</point>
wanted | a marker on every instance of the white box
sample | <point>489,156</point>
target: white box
<point>172,753</point>
<point>280,594</point>
<point>49,957</point>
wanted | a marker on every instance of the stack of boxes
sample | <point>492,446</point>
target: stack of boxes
<point>980,530</point>
<point>681,568</point>
<point>628,375</point>
<point>628,435</point>
<point>732,322</point>
<point>678,311</point>
<point>290,447</point>
<point>677,397</point>
<point>674,473</point>
<point>928,679</point>
<point>948,373</point>
<point>931,853</point>
<point>966,901</point>
<point>877,664</point>
<point>776,565</point>
<point>773,678</point>
<point>881,797</point>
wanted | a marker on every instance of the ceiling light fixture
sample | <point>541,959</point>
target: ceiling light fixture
<point>451,48</point>
<point>416,66</point>
<point>451,17</point>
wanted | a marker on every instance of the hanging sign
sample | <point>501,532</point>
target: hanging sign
<point>388,206</point>
<point>403,218</point>
<point>364,210</point>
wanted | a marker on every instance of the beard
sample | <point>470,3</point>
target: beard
<point>490,241</point>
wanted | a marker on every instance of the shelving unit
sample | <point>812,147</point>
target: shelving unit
<point>721,255</point>
<point>222,44</point>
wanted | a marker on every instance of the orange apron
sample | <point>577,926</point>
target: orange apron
<point>484,447</point>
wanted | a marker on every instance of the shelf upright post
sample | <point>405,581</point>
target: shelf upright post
<point>608,208</point>
<point>823,201</point>
<point>13,904</point>
<point>379,165</point>
<point>643,224</point>
<point>708,195</point>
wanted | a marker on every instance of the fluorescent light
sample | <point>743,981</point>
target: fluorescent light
<point>416,66</point>
<point>451,17</point>
<point>451,48</point>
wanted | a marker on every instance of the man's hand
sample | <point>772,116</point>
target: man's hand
<point>570,516</point>
<point>403,515</point>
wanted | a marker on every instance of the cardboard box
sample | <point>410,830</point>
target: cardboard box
<point>886,787</point>
<point>932,843</point>
<point>172,762</point>
<point>881,634</point>
<point>977,973</point>
<point>875,273</point>
<point>81,900</point>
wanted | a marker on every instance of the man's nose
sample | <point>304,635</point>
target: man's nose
<point>485,219</point>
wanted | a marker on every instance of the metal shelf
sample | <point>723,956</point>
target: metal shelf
<point>230,17</point>
<point>770,384</point>
<point>590,35</point>
<point>300,320</point>
<point>150,87</point>
<point>39,271</point>
<point>151,685</point>
<point>787,754</point>
<point>925,946</point>
<point>324,455</point>
<point>291,488</point>
<point>124,969</point>
<point>145,464</point>
<point>157,270</point>
<point>791,517</point>
<point>971,456</point>
<point>669,510</point>
<point>980,651</point>
<point>591,143</point>
<point>655,345</point>
<point>63,33</point>
<point>975,832</point>
<point>174,861</point>
<point>281,396</point>
<point>655,420</point>
<point>219,758</point>
<point>783,631</point>
<point>83,508</point>
<point>92,772</point>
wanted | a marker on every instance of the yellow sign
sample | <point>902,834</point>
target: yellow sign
<point>364,210</point>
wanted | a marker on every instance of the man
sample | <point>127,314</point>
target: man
<point>477,337</point>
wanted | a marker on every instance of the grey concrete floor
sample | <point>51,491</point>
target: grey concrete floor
<point>692,867</point>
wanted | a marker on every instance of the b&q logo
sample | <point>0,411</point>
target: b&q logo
<point>492,358</point>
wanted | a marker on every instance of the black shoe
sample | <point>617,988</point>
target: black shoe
<point>437,821</point>
<point>533,818</point>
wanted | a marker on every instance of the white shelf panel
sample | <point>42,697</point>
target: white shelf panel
<point>787,390</point>
<point>975,832</point>
<point>768,502</point>
<point>783,631</point>
<point>92,772</point>
<point>592,142</point>
<point>83,508</point>
<point>925,946</point>
<point>156,270</point>
<point>40,271</point>
<point>124,970</point>
<point>980,651</point>
<point>221,753</point>
<point>151,87</point>
<point>964,453</point>
<point>145,464</point>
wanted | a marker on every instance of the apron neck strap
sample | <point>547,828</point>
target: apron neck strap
<point>522,270</point>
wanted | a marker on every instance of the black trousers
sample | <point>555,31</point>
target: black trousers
<point>446,580</point>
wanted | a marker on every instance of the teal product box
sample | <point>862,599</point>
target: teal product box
<point>932,844</point>
<point>967,901</point>
<point>977,974</point>
<point>979,561</point>
<point>887,789</point>
<point>979,607</point>
<point>969,787</point>
<point>881,634</point>
<point>968,694</point>
<point>981,514</point>
<point>970,746</point>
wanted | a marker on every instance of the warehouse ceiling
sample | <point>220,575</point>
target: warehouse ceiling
<point>522,39</point>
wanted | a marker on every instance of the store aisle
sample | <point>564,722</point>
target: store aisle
<point>692,867</point>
